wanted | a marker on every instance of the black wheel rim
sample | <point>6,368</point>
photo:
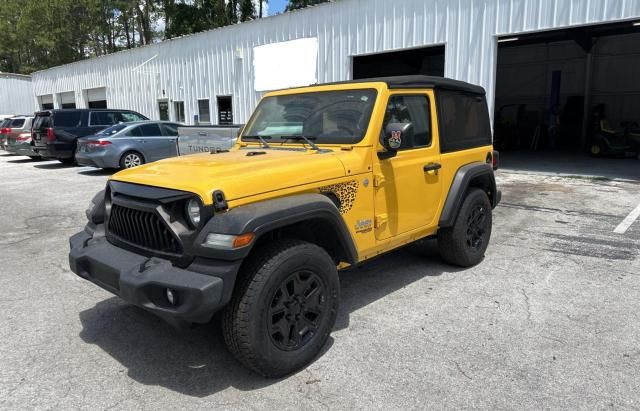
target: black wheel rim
<point>476,226</point>
<point>297,310</point>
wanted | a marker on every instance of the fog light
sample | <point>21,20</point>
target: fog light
<point>171,296</point>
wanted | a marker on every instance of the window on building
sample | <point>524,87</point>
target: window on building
<point>178,107</point>
<point>47,106</point>
<point>412,109</point>
<point>98,104</point>
<point>203,112</point>
<point>163,108</point>
<point>68,105</point>
<point>225,110</point>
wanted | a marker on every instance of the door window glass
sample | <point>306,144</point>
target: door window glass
<point>412,109</point>
<point>150,130</point>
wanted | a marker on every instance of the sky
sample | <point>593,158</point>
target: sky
<point>277,6</point>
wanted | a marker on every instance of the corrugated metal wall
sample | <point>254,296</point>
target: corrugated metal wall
<point>219,62</point>
<point>16,94</point>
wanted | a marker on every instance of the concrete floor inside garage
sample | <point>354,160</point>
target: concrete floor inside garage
<point>548,320</point>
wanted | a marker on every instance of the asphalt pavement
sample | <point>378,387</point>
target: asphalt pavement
<point>550,319</point>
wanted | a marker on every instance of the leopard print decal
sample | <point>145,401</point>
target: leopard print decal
<point>346,193</point>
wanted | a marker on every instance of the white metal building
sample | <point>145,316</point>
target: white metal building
<point>16,94</point>
<point>510,47</point>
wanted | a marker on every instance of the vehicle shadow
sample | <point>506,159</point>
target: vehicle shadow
<point>25,160</point>
<point>98,172</point>
<point>195,361</point>
<point>54,165</point>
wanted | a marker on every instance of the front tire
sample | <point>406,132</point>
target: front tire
<point>465,243</point>
<point>282,313</point>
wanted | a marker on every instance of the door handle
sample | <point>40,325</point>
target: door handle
<point>432,168</point>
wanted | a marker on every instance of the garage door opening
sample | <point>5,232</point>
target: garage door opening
<point>569,92</point>
<point>96,97</point>
<point>427,60</point>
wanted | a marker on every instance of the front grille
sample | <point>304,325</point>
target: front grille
<point>143,229</point>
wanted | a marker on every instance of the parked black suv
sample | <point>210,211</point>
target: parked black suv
<point>55,132</point>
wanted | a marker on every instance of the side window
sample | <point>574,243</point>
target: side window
<point>17,123</point>
<point>130,116</point>
<point>150,130</point>
<point>412,109</point>
<point>135,132</point>
<point>67,118</point>
<point>104,118</point>
<point>464,121</point>
<point>171,129</point>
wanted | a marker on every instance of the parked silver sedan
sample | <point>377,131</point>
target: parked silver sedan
<point>127,145</point>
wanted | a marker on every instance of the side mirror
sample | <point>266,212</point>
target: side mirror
<point>392,138</point>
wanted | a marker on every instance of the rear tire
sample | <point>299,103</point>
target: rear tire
<point>284,309</point>
<point>465,243</point>
<point>131,159</point>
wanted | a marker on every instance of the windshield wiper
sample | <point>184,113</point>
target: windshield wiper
<point>263,140</point>
<point>306,139</point>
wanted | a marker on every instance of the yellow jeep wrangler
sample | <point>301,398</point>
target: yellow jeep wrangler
<point>322,178</point>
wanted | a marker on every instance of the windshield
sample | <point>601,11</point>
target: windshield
<point>331,117</point>
<point>109,131</point>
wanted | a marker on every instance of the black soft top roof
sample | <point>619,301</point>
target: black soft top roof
<point>403,82</point>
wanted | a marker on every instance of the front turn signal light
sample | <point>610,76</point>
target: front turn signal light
<point>228,242</point>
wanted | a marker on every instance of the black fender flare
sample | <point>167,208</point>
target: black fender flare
<point>265,216</point>
<point>461,183</point>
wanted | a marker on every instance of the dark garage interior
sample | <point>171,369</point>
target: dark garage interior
<point>425,60</point>
<point>570,92</point>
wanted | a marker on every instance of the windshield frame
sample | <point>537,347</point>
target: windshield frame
<point>275,139</point>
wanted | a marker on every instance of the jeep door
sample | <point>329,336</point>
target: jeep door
<point>410,195</point>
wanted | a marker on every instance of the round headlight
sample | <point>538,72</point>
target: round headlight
<point>194,209</point>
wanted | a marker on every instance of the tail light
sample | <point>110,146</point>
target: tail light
<point>496,157</point>
<point>98,143</point>
<point>51,136</point>
<point>5,130</point>
<point>24,138</point>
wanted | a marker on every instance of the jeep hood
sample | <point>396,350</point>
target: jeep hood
<point>238,173</point>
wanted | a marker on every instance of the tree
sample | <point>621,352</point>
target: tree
<point>247,10</point>
<point>300,4</point>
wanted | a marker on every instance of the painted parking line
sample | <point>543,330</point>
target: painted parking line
<point>626,223</point>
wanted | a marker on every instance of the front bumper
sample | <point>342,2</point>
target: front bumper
<point>201,289</point>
